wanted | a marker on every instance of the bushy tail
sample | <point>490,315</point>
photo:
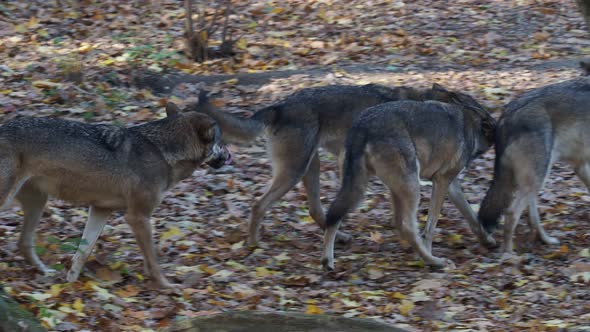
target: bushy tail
<point>234,129</point>
<point>498,196</point>
<point>354,178</point>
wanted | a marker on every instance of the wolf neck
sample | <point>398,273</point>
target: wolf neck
<point>167,137</point>
<point>174,148</point>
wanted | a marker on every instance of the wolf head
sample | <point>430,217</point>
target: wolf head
<point>205,136</point>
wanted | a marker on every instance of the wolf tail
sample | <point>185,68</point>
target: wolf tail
<point>354,177</point>
<point>234,129</point>
<point>499,195</point>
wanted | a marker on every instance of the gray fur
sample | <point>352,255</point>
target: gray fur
<point>539,128</point>
<point>107,167</point>
<point>405,141</point>
<point>297,126</point>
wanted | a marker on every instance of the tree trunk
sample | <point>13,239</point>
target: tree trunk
<point>584,6</point>
<point>245,321</point>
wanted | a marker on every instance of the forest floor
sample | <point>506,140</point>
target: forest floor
<point>103,62</point>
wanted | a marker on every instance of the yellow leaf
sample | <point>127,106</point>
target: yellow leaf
<point>307,220</point>
<point>21,28</point>
<point>56,289</point>
<point>85,48</point>
<point>585,253</point>
<point>78,305</point>
<point>102,293</point>
<point>278,10</point>
<point>415,263</point>
<point>236,265</point>
<point>237,245</point>
<point>262,272</point>
<point>399,296</point>
<point>46,84</point>
<point>43,33</point>
<point>232,81</point>
<point>116,266</point>
<point>206,269</point>
<point>350,303</point>
<point>5,92</point>
<point>172,232</point>
<point>37,296</point>
<point>222,274</point>
<point>521,282</point>
<point>456,238</point>
<point>72,14</point>
<point>406,307</point>
<point>107,62</point>
<point>242,44</point>
<point>33,22</point>
<point>282,257</point>
<point>66,308</point>
<point>313,309</point>
<point>556,323</point>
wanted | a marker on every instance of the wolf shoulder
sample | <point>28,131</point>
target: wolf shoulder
<point>53,134</point>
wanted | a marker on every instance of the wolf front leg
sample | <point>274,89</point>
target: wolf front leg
<point>439,190</point>
<point>97,219</point>
<point>142,230</point>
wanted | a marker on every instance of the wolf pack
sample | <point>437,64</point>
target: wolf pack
<point>402,135</point>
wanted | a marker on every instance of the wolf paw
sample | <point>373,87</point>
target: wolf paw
<point>551,240</point>
<point>442,264</point>
<point>72,275</point>
<point>327,264</point>
<point>343,238</point>
<point>488,241</point>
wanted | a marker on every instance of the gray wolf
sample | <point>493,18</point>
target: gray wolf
<point>403,142</point>
<point>106,167</point>
<point>541,127</point>
<point>296,127</point>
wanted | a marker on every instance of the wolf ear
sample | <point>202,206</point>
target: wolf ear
<point>172,109</point>
<point>203,98</point>
<point>438,87</point>
<point>207,129</point>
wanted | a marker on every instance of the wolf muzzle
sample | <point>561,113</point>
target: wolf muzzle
<point>218,156</point>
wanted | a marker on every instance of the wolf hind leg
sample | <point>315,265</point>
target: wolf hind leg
<point>291,152</point>
<point>405,200</point>
<point>97,219</point>
<point>33,201</point>
<point>513,214</point>
<point>398,169</point>
<point>535,223</point>
<point>311,182</point>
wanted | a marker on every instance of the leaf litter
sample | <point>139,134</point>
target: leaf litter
<point>80,63</point>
